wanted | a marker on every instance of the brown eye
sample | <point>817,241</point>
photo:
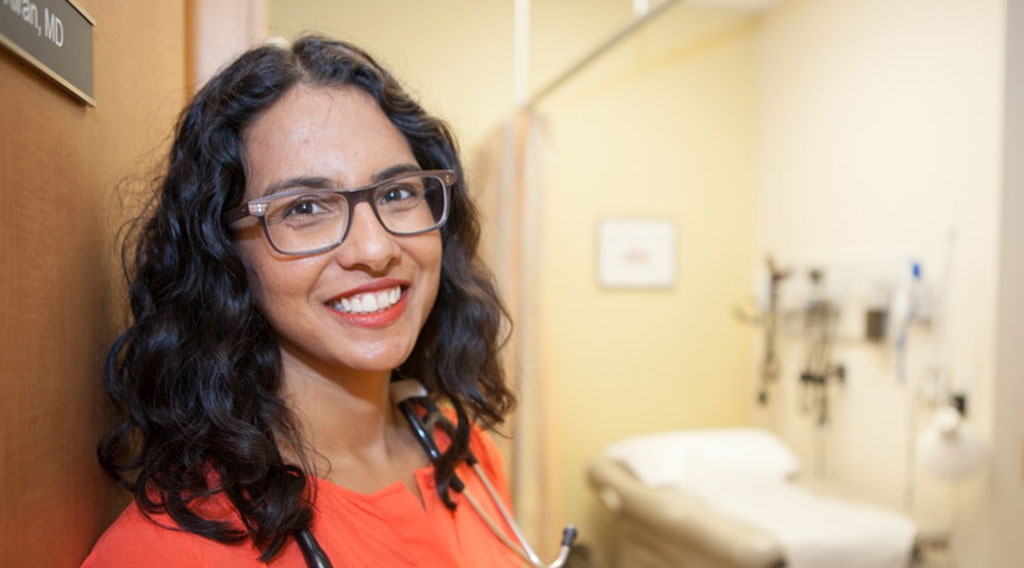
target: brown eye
<point>398,193</point>
<point>303,208</point>
<point>309,206</point>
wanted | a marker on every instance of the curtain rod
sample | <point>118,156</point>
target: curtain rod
<point>611,42</point>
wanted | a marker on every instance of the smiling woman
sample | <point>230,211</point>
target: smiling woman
<point>254,381</point>
<point>342,136</point>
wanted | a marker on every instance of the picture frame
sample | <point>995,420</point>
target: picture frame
<point>636,253</point>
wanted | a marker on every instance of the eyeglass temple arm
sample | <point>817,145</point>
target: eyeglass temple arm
<point>244,210</point>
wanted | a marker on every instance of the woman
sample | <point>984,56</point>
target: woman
<point>272,313</point>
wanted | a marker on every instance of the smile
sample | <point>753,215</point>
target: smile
<point>368,303</point>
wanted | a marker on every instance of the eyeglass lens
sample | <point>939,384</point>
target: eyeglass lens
<point>318,219</point>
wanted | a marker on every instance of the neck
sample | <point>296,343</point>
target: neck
<point>340,413</point>
<point>350,430</point>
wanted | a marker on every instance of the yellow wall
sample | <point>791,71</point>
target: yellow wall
<point>663,127</point>
<point>660,128</point>
<point>455,55</point>
<point>841,115</point>
<point>880,128</point>
<point>1007,495</point>
<point>826,127</point>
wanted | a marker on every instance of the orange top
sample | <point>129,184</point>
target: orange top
<point>387,528</point>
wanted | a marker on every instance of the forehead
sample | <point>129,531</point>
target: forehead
<point>339,134</point>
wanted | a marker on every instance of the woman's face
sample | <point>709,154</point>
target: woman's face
<point>342,136</point>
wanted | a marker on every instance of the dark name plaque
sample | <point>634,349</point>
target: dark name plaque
<point>55,36</point>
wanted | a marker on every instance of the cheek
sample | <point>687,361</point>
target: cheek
<point>431,261</point>
<point>271,282</point>
<point>434,267</point>
<point>276,283</point>
<point>425,252</point>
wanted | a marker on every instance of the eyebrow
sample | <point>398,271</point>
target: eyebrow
<point>319,182</point>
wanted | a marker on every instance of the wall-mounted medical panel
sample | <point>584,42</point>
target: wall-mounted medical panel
<point>870,299</point>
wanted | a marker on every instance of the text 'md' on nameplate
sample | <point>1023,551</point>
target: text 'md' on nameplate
<point>55,36</point>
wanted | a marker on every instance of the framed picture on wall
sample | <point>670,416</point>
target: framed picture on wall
<point>636,253</point>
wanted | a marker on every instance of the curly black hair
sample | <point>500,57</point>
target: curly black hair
<point>195,377</point>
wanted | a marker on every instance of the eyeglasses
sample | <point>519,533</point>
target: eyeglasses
<point>309,221</point>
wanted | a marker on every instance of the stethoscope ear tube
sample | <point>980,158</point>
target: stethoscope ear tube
<point>425,439</point>
<point>404,394</point>
<point>311,551</point>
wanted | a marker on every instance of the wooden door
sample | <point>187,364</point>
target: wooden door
<point>60,288</point>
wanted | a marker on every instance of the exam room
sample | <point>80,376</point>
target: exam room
<point>854,139</point>
<point>858,138</point>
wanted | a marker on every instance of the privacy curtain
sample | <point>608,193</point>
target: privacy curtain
<point>509,175</point>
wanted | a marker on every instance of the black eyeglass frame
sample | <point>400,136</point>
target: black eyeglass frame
<point>258,207</point>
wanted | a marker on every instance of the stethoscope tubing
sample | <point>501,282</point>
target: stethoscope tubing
<point>404,396</point>
<point>421,429</point>
<point>523,549</point>
<point>311,551</point>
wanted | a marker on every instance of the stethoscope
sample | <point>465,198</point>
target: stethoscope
<point>405,394</point>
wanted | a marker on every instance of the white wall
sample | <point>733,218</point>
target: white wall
<point>879,131</point>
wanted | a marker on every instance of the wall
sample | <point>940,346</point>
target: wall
<point>59,164</point>
<point>830,117</point>
<point>660,127</point>
<point>688,79</point>
<point>1007,495</point>
<point>852,115</point>
<point>879,130</point>
<point>217,32</point>
<point>455,55</point>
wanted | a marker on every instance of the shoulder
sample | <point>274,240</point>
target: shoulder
<point>487,452</point>
<point>484,446</point>
<point>481,443</point>
<point>135,539</point>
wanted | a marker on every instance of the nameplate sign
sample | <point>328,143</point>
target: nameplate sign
<point>54,36</point>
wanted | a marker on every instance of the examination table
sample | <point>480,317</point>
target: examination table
<point>668,526</point>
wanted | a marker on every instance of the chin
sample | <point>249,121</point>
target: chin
<point>378,363</point>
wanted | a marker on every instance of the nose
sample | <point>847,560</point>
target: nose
<point>367,246</point>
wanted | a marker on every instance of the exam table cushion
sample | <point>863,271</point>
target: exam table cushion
<point>732,492</point>
<point>666,459</point>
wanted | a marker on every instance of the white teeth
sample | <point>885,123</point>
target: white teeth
<point>368,303</point>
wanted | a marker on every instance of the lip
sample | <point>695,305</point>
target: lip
<point>373,320</point>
